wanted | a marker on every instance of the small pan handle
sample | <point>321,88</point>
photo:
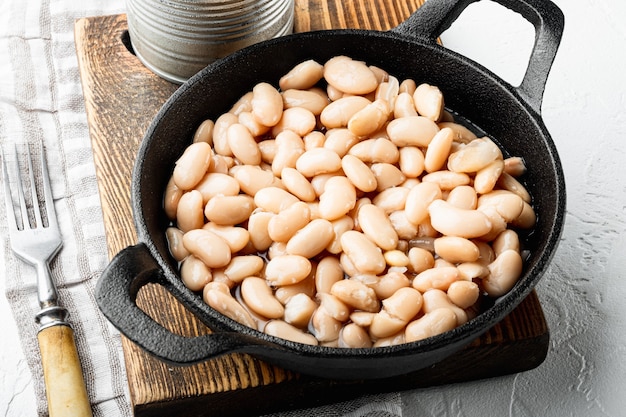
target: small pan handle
<point>116,294</point>
<point>434,17</point>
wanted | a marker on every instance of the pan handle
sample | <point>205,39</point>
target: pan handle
<point>116,293</point>
<point>434,17</point>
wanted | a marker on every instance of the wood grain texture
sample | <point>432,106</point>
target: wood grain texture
<point>65,386</point>
<point>121,98</point>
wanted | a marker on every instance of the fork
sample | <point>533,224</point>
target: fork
<point>37,243</point>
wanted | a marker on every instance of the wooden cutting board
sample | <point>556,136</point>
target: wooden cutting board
<point>121,98</point>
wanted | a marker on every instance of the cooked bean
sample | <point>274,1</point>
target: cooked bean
<point>285,293</point>
<point>508,182</point>
<point>514,166</point>
<point>229,210</point>
<point>194,273</point>
<point>171,198</point>
<point>318,161</point>
<point>429,101</point>
<point>175,243</point>
<point>430,324</point>
<point>396,258</point>
<point>287,269</point>
<point>411,161</point>
<point>220,138</point>
<point>387,175</point>
<point>228,306</point>
<point>314,100</point>
<point>420,260</point>
<point>315,139</point>
<point>461,133</point>
<point>208,246</point>
<point>318,182</point>
<point>192,165</point>
<point>418,200</point>
<point>376,150</point>
<point>255,128</point>
<point>453,221</point>
<point>243,266</point>
<point>438,150</point>
<point>435,299</point>
<point>304,75</point>
<point>387,90</point>
<point>340,140</point>
<point>189,211</point>
<point>204,132</point>
<point>377,227</point>
<point>274,199</point>
<point>340,226</point>
<point>283,330</point>
<point>507,204</point>
<point>324,327</point>
<point>359,174</point>
<point>463,293</point>
<point>487,177</point>
<point>215,183</point>
<point>407,86</point>
<point>259,298</point>
<point>370,118</point>
<point>339,112</point>
<point>392,199</point>
<point>469,271</point>
<point>447,180</point>
<point>285,224</point>
<point>474,156</point>
<point>385,285</point>
<point>244,104</point>
<point>235,237</point>
<point>463,196</point>
<point>504,272</point>
<point>267,104</point>
<point>336,308</point>
<point>456,249</point>
<point>362,252</point>
<point>437,278</point>
<point>311,239</point>
<point>356,295</point>
<point>396,312</point>
<point>404,106</point>
<point>412,131</point>
<point>350,76</point>
<point>338,198</point>
<point>527,218</point>
<point>405,229</point>
<point>354,336</point>
<point>257,227</point>
<point>296,119</point>
<point>242,144</point>
<point>299,310</point>
<point>328,272</point>
<point>251,178</point>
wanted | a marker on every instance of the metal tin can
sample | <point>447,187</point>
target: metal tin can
<point>177,38</point>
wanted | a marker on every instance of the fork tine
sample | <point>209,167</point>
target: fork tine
<point>8,200</point>
<point>47,190</point>
<point>33,190</point>
<point>20,193</point>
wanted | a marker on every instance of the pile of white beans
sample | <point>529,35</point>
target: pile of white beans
<point>346,208</point>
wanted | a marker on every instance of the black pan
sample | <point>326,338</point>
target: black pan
<point>510,115</point>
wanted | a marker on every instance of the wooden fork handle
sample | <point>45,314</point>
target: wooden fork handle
<point>65,385</point>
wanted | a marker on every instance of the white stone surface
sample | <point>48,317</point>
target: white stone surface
<point>584,291</point>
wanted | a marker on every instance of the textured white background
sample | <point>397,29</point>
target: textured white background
<point>583,293</point>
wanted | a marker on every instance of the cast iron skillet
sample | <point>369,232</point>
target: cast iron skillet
<point>510,115</point>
